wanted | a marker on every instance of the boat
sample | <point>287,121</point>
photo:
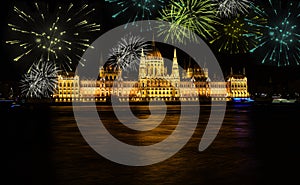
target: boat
<point>283,100</point>
<point>9,104</point>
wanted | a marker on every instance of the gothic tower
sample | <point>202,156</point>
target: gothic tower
<point>175,70</point>
<point>142,69</point>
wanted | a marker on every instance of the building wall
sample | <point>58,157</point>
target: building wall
<point>148,89</point>
<point>154,83</point>
<point>68,89</point>
<point>237,86</point>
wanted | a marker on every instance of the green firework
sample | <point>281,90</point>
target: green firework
<point>280,43</point>
<point>188,17</point>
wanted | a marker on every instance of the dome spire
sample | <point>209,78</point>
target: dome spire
<point>155,52</point>
<point>153,42</point>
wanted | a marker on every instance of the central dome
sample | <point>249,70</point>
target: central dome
<point>155,53</point>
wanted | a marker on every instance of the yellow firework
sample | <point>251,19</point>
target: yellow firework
<point>61,36</point>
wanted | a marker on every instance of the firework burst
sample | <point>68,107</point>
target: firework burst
<point>239,34</point>
<point>61,36</point>
<point>40,81</point>
<point>188,17</point>
<point>145,9</point>
<point>229,8</point>
<point>280,43</point>
<point>126,54</point>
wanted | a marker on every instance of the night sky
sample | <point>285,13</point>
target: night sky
<point>259,75</point>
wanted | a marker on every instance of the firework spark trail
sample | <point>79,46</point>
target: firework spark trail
<point>40,81</point>
<point>232,8</point>
<point>239,34</point>
<point>194,16</point>
<point>61,36</point>
<point>126,54</point>
<point>145,9</point>
<point>280,43</point>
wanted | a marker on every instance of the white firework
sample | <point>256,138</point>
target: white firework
<point>229,8</point>
<point>127,53</point>
<point>40,81</point>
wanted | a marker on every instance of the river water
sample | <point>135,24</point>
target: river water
<point>257,144</point>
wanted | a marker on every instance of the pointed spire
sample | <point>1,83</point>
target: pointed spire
<point>175,55</point>
<point>244,71</point>
<point>142,52</point>
<point>76,73</point>
<point>231,71</point>
<point>175,71</point>
<point>153,42</point>
<point>215,76</point>
<point>101,60</point>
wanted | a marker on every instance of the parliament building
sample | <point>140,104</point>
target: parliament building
<point>153,83</point>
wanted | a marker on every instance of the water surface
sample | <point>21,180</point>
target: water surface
<point>256,145</point>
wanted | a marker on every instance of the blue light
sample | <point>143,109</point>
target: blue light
<point>239,100</point>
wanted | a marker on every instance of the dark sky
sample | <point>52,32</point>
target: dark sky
<point>259,75</point>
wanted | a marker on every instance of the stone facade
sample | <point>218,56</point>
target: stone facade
<point>153,84</point>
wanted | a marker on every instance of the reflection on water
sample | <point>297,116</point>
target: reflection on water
<point>221,160</point>
<point>244,152</point>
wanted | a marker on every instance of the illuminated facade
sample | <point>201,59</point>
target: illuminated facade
<point>237,85</point>
<point>153,84</point>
